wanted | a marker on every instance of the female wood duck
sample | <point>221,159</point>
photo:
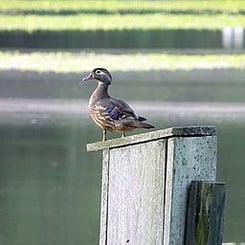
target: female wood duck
<point>110,113</point>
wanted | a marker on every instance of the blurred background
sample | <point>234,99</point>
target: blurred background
<point>176,62</point>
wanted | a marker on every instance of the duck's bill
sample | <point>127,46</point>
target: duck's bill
<point>89,77</point>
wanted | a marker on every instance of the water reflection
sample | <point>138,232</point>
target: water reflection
<point>181,39</point>
<point>49,184</point>
<point>49,191</point>
<point>227,38</point>
<point>35,109</point>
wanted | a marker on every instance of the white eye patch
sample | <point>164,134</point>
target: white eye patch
<point>99,72</point>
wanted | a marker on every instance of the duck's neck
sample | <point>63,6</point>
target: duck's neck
<point>101,92</point>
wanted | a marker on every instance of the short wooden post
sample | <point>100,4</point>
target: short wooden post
<point>145,183</point>
<point>205,213</point>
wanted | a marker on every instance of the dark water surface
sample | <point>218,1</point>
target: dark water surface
<point>197,39</point>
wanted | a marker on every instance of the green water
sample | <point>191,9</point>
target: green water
<point>50,185</point>
<point>49,191</point>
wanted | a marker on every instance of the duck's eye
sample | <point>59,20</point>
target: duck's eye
<point>98,72</point>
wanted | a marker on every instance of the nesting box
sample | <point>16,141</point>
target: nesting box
<point>145,181</point>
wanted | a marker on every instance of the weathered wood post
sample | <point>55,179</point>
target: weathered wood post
<point>205,215</point>
<point>145,183</point>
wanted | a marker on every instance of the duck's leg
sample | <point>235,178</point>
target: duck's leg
<point>123,135</point>
<point>104,135</point>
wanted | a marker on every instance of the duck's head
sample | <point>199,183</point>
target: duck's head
<point>100,74</point>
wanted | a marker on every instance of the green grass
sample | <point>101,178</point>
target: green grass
<point>117,15</point>
<point>225,6</point>
<point>68,62</point>
<point>118,22</point>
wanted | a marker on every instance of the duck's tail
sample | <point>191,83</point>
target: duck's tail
<point>130,124</point>
<point>144,125</point>
<point>138,124</point>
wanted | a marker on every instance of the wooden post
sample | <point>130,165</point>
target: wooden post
<point>145,183</point>
<point>205,213</point>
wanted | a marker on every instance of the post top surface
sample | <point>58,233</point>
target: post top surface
<point>187,131</point>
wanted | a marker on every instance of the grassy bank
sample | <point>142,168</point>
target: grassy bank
<point>112,7</point>
<point>69,62</point>
<point>117,15</point>
<point>32,23</point>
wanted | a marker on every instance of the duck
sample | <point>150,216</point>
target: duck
<point>111,114</point>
